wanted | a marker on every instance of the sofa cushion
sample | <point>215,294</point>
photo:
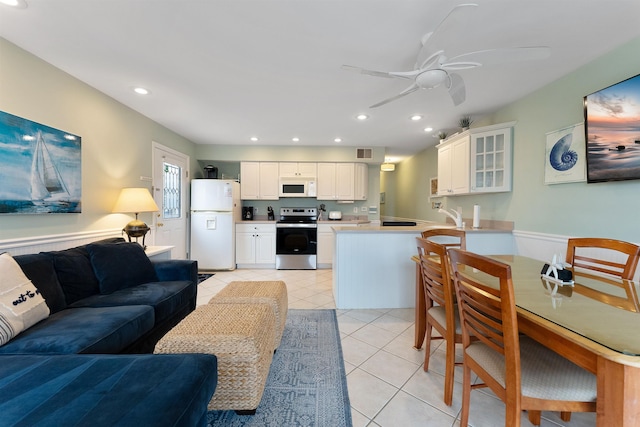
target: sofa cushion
<point>84,330</point>
<point>75,273</point>
<point>120,265</point>
<point>166,298</point>
<point>21,305</point>
<point>106,390</point>
<point>39,268</point>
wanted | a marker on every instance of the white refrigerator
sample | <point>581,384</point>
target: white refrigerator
<point>215,208</point>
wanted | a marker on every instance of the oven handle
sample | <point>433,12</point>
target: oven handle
<point>296,225</point>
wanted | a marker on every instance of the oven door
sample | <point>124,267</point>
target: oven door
<point>296,239</point>
<point>296,246</point>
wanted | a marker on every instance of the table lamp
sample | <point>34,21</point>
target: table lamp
<point>135,200</point>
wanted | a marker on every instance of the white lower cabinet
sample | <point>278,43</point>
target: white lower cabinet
<point>255,245</point>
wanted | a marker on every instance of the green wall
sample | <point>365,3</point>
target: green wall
<point>116,141</point>
<point>608,209</point>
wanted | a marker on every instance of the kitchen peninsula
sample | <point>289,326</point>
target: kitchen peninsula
<point>372,265</point>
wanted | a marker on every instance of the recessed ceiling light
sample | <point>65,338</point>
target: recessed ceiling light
<point>362,117</point>
<point>337,140</point>
<point>416,117</point>
<point>428,129</point>
<point>295,139</point>
<point>141,91</point>
<point>19,4</point>
<point>254,138</point>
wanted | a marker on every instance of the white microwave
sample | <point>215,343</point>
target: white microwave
<point>297,187</point>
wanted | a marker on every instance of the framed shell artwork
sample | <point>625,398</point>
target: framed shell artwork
<point>565,156</point>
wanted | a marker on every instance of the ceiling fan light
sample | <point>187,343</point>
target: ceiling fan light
<point>387,167</point>
<point>431,78</point>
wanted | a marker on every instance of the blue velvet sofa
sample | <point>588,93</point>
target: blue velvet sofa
<point>107,300</point>
<point>105,297</point>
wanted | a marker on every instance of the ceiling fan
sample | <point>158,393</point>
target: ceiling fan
<point>433,69</point>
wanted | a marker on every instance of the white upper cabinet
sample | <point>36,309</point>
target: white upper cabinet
<point>453,166</point>
<point>361,185</point>
<point>491,161</point>
<point>336,181</point>
<point>476,161</point>
<point>259,181</point>
<point>298,170</point>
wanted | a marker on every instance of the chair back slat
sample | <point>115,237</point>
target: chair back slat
<point>589,253</point>
<point>487,312</point>
<point>435,273</point>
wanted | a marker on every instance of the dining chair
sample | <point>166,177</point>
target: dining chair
<point>524,374</point>
<point>442,314</point>
<point>451,237</point>
<point>580,253</point>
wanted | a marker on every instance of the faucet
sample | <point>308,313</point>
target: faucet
<point>454,215</point>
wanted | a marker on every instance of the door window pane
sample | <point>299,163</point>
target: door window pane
<point>171,206</point>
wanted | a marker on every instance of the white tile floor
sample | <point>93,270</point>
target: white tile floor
<point>387,384</point>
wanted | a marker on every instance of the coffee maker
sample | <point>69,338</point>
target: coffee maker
<point>247,213</point>
<point>270,214</point>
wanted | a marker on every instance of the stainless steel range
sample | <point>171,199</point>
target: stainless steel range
<point>297,239</point>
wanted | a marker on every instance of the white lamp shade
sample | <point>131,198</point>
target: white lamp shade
<point>135,200</point>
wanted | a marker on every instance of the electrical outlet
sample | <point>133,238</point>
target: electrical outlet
<point>355,209</point>
<point>363,209</point>
<point>255,211</point>
<point>436,205</point>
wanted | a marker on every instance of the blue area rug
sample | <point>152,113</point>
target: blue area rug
<point>307,385</point>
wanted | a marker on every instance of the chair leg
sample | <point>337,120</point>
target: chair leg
<point>534,417</point>
<point>466,396</point>
<point>427,347</point>
<point>565,416</point>
<point>449,371</point>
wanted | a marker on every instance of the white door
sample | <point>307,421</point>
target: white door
<point>170,183</point>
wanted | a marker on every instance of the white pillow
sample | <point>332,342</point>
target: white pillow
<point>21,305</point>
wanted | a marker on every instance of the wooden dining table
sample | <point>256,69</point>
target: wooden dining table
<point>595,324</point>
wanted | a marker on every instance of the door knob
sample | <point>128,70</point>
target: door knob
<point>159,224</point>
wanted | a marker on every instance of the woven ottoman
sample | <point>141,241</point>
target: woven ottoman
<point>241,336</point>
<point>273,293</point>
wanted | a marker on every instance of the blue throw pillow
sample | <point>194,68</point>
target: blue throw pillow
<point>75,273</point>
<point>39,269</point>
<point>120,266</point>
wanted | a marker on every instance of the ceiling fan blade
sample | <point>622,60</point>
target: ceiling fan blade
<point>498,56</point>
<point>457,16</point>
<point>367,72</point>
<point>405,92</point>
<point>386,74</point>
<point>461,65</point>
<point>457,90</point>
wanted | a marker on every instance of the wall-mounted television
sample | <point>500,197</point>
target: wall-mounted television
<point>612,131</point>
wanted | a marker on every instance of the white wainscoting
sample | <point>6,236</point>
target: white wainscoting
<point>543,246</point>
<point>54,242</point>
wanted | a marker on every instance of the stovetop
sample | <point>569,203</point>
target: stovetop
<point>298,215</point>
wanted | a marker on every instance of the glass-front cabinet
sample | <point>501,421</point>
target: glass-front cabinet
<point>491,160</point>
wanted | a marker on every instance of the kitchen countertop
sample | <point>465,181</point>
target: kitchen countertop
<point>419,228</point>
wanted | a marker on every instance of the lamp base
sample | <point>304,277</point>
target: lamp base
<point>136,228</point>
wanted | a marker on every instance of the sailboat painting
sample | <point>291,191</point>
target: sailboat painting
<point>40,168</point>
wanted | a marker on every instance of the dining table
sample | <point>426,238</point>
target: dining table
<point>594,322</point>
